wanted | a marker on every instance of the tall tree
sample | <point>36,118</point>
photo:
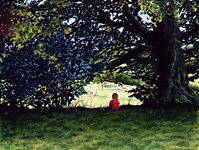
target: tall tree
<point>154,49</point>
<point>161,50</point>
<point>44,64</point>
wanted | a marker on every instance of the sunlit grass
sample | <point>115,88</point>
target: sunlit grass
<point>195,83</point>
<point>129,128</point>
<point>195,86</point>
<point>101,97</point>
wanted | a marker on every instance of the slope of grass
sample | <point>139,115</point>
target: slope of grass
<point>134,128</point>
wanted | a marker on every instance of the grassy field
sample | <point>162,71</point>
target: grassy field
<point>130,128</point>
<point>101,97</point>
<point>133,128</point>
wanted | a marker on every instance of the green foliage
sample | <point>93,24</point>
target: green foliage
<point>126,79</point>
<point>111,29</point>
<point>104,76</point>
<point>145,63</point>
<point>27,79</point>
<point>46,64</point>
<point>117,77</point>
<point>35,20</point>
<point>158,10</point>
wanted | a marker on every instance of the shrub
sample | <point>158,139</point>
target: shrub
<point>29,78</point>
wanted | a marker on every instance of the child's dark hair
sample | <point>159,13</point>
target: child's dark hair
<point>115,96</point>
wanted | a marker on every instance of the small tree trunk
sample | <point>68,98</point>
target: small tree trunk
<point>173,85</point>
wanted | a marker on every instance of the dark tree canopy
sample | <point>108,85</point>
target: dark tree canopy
<point>161,50</point>
<point>53,80</point>
<point>42,64</point>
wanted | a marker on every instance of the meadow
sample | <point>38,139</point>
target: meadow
<point>133,128</point>
<point>101,97</point>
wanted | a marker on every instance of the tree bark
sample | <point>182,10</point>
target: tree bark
<point>173,85</point>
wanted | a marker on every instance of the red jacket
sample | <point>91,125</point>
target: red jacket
<point>114,104</point>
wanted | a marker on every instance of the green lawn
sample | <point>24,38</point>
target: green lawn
<point>134,128</point>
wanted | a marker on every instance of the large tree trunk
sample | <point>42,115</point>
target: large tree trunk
<point>173,85</point>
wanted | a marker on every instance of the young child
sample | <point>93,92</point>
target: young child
<point>114,104</point>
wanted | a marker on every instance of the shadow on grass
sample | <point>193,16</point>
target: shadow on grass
<point>131,127</point>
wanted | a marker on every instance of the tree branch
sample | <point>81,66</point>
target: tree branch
<point>186,35</point>
<point>137,27</point>
<point>136,44</point>
<point>122,59</point>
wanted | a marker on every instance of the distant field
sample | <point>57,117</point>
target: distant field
<point>196,82</point>
<point>101,97</point>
